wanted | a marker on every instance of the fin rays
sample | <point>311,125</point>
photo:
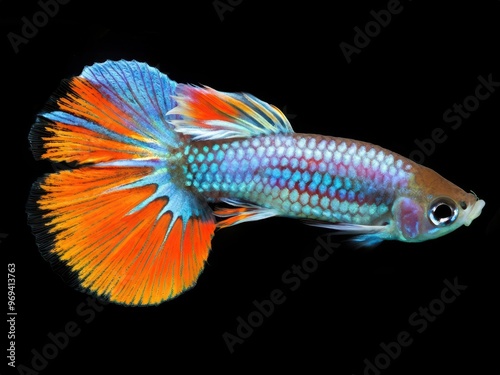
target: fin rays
<point>131,257</point>
<point>209,114</point>
<point>122,221</point>
<point>243,212</point>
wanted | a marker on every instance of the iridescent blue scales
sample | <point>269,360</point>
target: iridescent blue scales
<point>134,220</point>
<point>302,176</point>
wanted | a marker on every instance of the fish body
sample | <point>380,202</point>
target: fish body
<point>300,175</point>
<point>134,220</point>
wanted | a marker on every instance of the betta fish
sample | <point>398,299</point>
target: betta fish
<point>158,166</point>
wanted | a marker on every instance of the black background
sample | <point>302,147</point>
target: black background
<point>395,90</point>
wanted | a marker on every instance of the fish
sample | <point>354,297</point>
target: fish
<point>156,167</point>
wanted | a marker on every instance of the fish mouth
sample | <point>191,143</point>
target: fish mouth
<point>473,211</point>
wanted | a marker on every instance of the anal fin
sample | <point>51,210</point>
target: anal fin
<point>241,213</point>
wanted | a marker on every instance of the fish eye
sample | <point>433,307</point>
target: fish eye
<point>442,212</point>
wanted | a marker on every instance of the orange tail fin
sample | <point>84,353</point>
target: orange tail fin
<point>122,220</point>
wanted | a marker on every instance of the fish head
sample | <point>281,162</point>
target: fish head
<point>432,207</point>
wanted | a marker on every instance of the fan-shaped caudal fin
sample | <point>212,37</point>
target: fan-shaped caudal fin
<point>122,222</point>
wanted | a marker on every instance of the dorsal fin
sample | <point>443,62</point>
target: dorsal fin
<point>210,114</point>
